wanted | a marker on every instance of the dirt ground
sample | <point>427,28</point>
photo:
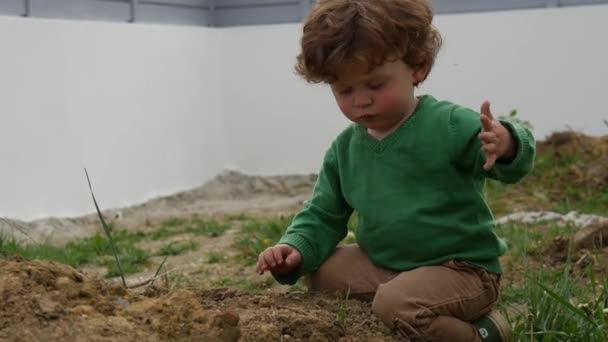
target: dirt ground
<point>44,300</point>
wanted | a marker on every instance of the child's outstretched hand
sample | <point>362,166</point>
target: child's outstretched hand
<point>280,259</point>
<point>496,140</point>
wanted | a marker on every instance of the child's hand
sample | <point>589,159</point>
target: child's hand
<point>496,140</point>
<point>280,259</point>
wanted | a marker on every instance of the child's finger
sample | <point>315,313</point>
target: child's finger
<point>278,256</point>
<point>490,160</point>
<point>486,123</point>
<point>489,148</point>
<point>269,259</point>
<point>261,266</point>
<point>488,137</point>
<point>485,110</point>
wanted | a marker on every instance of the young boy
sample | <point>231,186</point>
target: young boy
<point>413,168</point>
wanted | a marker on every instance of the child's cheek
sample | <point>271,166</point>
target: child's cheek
<point>389,101</point>
<point>345,107</point>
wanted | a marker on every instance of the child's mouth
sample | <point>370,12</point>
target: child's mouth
<point>367,117</point>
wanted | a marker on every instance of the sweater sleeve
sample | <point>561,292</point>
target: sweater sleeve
<point>318,228</point>
<point>464,128</point>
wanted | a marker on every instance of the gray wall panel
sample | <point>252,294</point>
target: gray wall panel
<point>581,2</point>
<point>231,12</point>
<point>78,9</point>
<point>12,7</point>
<point>179,3</point>
<point>452,6</point>
<point>183,15</point>
<point>252,3</point>
<point>257,15</point>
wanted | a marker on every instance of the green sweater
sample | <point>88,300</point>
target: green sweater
<point>418,193</point>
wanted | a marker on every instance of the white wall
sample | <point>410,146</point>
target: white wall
<point>152,109</point>
<point>139,106</point>
<point>549,64</point>
<point>276,122</point>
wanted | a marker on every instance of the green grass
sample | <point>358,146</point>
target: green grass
<point>216,258</point>
<point>238,217</point>
<point>542,306</point>
<point>161,234</point>
<point>257,235</point>
<point>596,203</point>
<point>206,227</point>
<point>559,182</point>
<point>132,260</point>
<point>9,247</point>
<point>177,248</point>
<point>173,222</point>
<point>342,312</point>
<point>530,239</point>
<point>96,249</point>
<point>93,250</point>
<point>197,226</point>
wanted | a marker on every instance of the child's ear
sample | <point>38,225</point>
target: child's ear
<point>420,74</point>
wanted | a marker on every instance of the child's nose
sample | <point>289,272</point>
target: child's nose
<point>362,99</point>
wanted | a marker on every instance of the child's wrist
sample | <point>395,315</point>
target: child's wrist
<point>508,153</point>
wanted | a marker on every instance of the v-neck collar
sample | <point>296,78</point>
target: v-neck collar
<point>379,146</point>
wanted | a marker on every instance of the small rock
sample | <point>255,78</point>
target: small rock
<point>47,306</point>
<point>573,218</point>
<point>63,283</point>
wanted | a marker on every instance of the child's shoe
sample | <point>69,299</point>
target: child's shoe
<point>494,327</point>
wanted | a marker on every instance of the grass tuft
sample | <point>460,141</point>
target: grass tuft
<point>108,232</point>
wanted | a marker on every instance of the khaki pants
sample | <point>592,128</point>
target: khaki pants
<point>433,303</point>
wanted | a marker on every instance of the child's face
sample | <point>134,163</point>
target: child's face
<point>378,99</point>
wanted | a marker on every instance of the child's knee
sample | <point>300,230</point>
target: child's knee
<point>400,313</point>
<point>332,276</point>
<point>323,280</point>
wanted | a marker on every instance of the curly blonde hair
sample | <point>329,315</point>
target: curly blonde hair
<point>369,32</point>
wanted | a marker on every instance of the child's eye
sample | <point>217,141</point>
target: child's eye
<point>376,86</point>
<point>345,91</point>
